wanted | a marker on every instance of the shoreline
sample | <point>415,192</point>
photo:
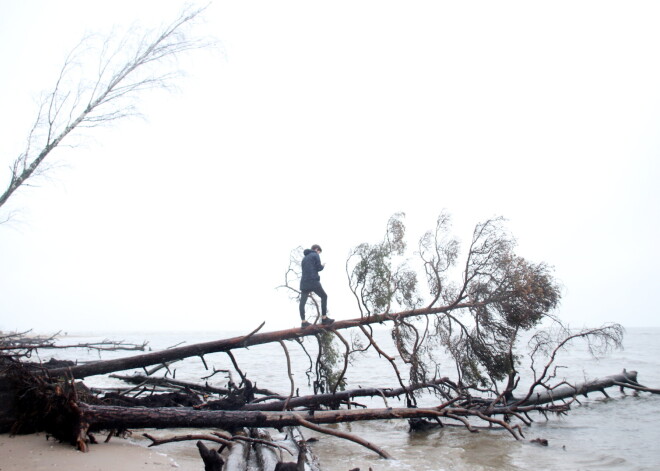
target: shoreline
<point>36,453</point>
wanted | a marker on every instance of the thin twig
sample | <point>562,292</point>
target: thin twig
<point>288,370</point>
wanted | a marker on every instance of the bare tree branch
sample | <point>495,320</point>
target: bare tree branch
<point>123,73</point>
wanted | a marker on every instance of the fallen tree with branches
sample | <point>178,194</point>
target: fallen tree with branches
<point>476,322</point>
<point>68,411</point>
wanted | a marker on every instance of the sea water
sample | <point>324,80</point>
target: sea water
<point>616,433</point>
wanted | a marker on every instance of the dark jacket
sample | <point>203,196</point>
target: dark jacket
<point>311,266</point>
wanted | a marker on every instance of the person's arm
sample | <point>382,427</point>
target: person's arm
<point>318,264</point>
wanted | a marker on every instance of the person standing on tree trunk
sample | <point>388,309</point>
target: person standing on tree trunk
<point>310,282</point>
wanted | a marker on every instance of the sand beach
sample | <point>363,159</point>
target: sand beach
<point>35,453</point>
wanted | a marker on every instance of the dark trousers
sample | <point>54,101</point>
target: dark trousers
<point>320,293</point>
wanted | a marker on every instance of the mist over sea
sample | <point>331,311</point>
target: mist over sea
<point>616,433</point>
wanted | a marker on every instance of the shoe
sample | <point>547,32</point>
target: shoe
<point>305,324</point>
<point>326,321</point>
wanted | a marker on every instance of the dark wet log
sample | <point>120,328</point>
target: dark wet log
<point>110,417</point>
<point>200,349</point>
<point>212,459</point>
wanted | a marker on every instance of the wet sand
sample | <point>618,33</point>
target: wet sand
<point>35,453</point>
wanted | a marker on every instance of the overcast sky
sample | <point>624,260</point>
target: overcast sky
<point>313,123</point>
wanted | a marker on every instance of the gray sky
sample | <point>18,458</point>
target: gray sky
<point>313,123</point>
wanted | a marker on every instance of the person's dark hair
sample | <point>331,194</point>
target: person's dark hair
<point>317,247</point>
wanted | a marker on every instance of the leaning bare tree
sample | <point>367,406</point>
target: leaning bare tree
<point>100,84</point>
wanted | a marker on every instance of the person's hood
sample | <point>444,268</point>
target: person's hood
<point>307,252</point>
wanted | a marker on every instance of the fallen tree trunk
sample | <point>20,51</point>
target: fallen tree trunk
<point>201,349</point>
<point>568,391</point>
<point>340,396</point>
<point>238,456</point>
<point>99,417</point>
<point>72,419</point>
<point>280,401</point>
<point>266,455</point>
<point>115,417</point>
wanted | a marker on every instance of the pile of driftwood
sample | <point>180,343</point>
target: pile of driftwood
<point>50,397</point>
